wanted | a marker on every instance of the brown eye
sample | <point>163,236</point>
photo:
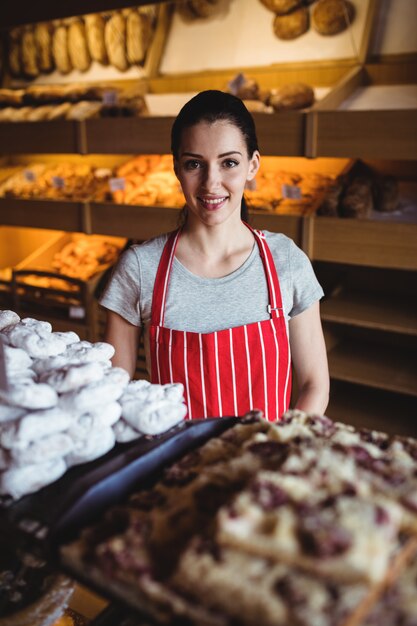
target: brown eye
<point>229,163</point>
<point>192,164</point>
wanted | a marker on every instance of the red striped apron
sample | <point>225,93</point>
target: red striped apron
<point>226,372</point>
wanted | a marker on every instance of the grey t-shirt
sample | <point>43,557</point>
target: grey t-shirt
<point>204,305</point>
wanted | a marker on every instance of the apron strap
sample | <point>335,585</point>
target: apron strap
<point>160,289</point>
<point>275,308</point>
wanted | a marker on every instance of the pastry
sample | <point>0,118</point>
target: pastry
<point>292,96</point>
<point>11,97</point>
<point>16,359</point>
<point>281,7</point>
<point>7,318</point>
<point>292,25</point>
<point>77,46</point>
<point>135,41</point>
<point>94,27</point>
<point>19,481</point>
<point>9,413</point>
<point>244,87</point>
<point>357,200</point>
<point>37,343</point>
<point>71,377</point>
<point>28,53</point>
<point>59,111</point>
<point>92,447</point>
<point>90,396</point>
<point>30,395</point>
<point>60,49</point>
<point>83,110</point>
<point>203,8</point>
<point>43,41</point>
<point>115,39</point>
<point>40,113</point>
<point>330,17</point>
<point>387,194</point>
<point>48,448</point>
<point>33,426</point>
<point>14,52</point>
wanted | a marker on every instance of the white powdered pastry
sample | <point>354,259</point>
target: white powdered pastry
<point>96,394</point>
<point>9,413</point>
<point>68,337</point>
<point>92,423</point>
<point>73,376</point>
<point>19,481</point>
<point>31,323</point>
<point>38,342</point>
<point>48,448</point>
<point>7,318</point>
<point>81,352</point>
<point>153,418</point>
<point>30,395</point>
<point>32,426</point>
<point>16,359</point>
<point>117,376</point>
<point>124,432</point>
<point>92,448</point>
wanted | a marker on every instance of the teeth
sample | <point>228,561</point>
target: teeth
<point>216,201</point>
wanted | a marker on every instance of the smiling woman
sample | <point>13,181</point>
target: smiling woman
<point>222,306</point>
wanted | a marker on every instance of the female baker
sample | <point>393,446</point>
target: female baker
<point>224,308</point>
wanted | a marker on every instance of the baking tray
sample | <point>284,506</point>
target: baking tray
<point>56,512</point>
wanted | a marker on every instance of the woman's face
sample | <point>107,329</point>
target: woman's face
<point>213,167</point>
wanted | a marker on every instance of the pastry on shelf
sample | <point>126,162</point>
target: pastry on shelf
<point>94,26</point>
<point>330,17</point>
<point>11,97</point>
<point>115,39</point>
<point>292,25</point>
<point>60,48</point>
<point>357,200</point>
<point>14,53</point>
<point>136,37</point>
<point>29,55</point>
<point>77,45</point>
<point>291,96</point>
<point>281,7</point>
<point>43,41</point>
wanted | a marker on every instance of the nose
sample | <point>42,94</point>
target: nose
<point>211,178</point>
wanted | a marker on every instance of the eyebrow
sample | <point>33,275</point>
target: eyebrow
<point>200,156</point>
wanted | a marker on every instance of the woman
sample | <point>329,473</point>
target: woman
<point>222,305</point>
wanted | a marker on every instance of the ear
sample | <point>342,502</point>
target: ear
<point>254,165</point>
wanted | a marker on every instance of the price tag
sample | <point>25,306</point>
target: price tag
<point>77,312</point>
<point>29,176</point>
<point>291,192</point>
<point>4,383</point>
<point>117,184</point>
<point>110,98</point>
<point>236,84</point>
<point>58,182</point>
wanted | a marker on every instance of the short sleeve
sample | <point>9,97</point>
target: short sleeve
<point>306,287</point>
<point>122,292</point>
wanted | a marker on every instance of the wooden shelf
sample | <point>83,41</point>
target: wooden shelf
<point>64,215</point>
<point>128,135</point>
<point>364,242</point>
<point>367,310</point>
<point>373,365</point>
<point>55,137</point>
<point>375,409</point>
<point>135,222</point>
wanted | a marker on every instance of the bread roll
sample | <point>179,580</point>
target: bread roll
<point>77,46</point>
<point>357,200</point>
<point>387,195</point>
<point>15,57</point>
<point>203,8</point>
<point>115,39</point>
<point>292,25</point>
<point>330,17</point>
<point>29,56</point>
<point>60,49</point>
<point>292,96</point>
<point>43,41</point>
<point>94,26</point>
<point>281,7</point>
<point>11,97</point>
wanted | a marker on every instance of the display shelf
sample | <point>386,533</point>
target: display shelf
<point>374,365</point>
<point>374,311</point>
<point>364,242</point>
<point>375,409</point>
<point>145,135</point>
<point>137,222</point>
<point>64,215</point>
<point>59,137</point>
<point>371,114</point>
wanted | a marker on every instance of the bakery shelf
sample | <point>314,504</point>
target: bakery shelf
<point>137,222</point>
<point>370,114</point>
<point>57,137</point>
<point>364,242</point>
<point>375,409</point>
<point>374,365</point>
<point>145,135</point>
<point>63,215</point>
<point>374,311</point>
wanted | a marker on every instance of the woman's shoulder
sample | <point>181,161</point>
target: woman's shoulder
<point>150,248</point>
<point>279,243</point>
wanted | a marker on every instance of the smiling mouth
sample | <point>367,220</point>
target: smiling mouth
<point>212,203</point>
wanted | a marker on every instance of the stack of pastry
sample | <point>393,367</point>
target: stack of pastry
<point>301,522</point>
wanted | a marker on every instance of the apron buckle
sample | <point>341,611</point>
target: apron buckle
<point>269,308</point>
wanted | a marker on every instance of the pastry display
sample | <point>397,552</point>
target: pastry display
<point>291,96</point>
<point>291,25</point>
<point>330,17</point>
<point>65,402</point>
<point>60,49</point>
<point>43,40</point>
<point>94,27</point>
<point>14,52</point>
<point>281,7</point>
<point>297,522</point>
<point>115,40</point>
<point>135,37</point>
<point>77,46</point>
<point>29,53</point>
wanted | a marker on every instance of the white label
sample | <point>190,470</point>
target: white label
<point>4,383</point>
<point>58,182</point>
<point>77,312</point>
<point>291,192</point>
<point>29,176</point>
<point>117,184</point>
<point>110,98</point>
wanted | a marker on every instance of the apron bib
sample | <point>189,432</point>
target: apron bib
<point>226,372</point>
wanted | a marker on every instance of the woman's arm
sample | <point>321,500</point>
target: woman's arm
<point>309,358</point>
<point>124,336</point>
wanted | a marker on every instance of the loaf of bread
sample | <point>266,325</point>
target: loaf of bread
<point>11,97</point>
<point>60,49</point>
<point>292,25</point>
<point>292,96</point>
<point>330,17</point>
<point>387,194</point>
<point>115,39</point>
<point>43,40</point>
<point>281,7</point>
<point>94,26</point>
<point>14,56</point>
<point>357,200</point>
<point>29,54</point>
<point>135,41</point>
<point>77,46</point>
